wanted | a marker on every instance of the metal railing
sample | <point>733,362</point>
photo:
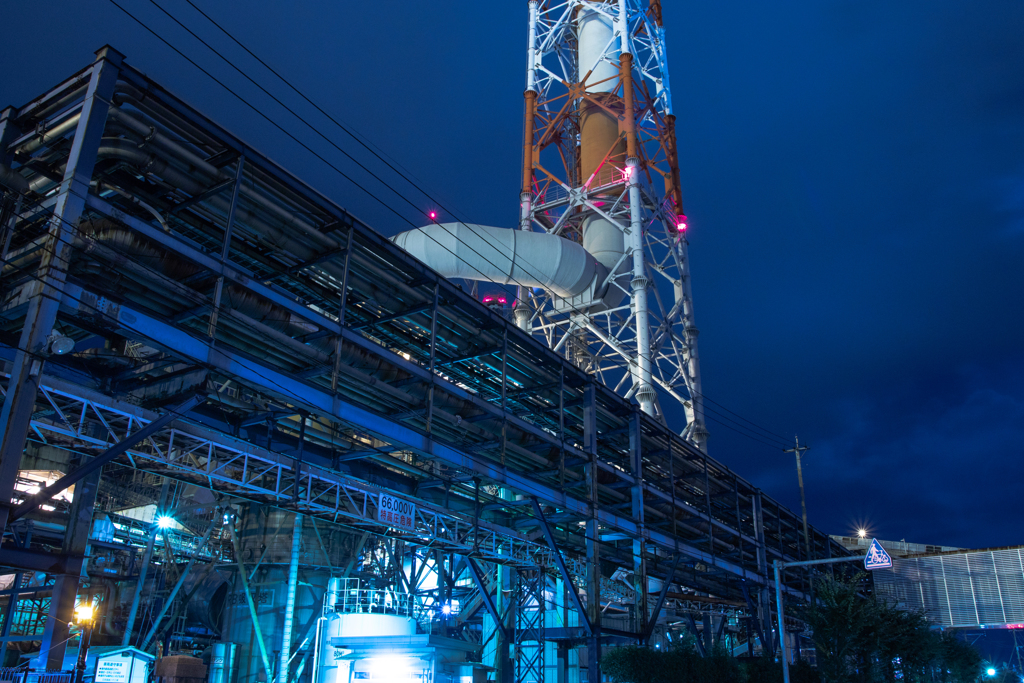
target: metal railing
<point>24,675</point>
<point>349,596</point>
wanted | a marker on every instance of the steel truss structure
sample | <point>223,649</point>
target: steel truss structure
<point>150,256</point>
<point>641,335</point>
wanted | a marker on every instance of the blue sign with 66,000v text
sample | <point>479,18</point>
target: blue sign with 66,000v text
<point>877,558</point>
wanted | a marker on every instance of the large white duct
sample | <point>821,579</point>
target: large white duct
<point>479,252</point>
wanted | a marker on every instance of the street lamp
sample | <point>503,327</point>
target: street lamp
<point>85,617</point>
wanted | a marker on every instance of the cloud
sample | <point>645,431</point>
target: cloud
<point>942,468</point>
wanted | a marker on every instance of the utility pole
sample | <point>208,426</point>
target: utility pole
<point>798,449</point>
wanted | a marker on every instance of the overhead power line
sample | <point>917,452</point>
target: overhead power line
<point>758,437</point>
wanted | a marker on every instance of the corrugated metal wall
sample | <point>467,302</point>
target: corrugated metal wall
<point>983,588</point>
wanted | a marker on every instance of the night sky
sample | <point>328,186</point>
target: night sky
<point>853,172</point>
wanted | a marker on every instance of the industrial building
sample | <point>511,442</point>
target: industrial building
<point>239,424</point>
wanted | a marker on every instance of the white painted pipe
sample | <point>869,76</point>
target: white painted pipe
<point>642,379</point>
<point>479,252</point>
<point>289,609</point>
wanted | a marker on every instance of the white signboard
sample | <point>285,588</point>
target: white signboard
<point>113,670</point>
<point>395,512</point>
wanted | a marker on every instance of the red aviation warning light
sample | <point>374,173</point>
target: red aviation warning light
<point>433,215</point>
<point>681,223</point>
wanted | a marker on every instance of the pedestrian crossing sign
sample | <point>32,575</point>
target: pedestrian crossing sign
<point>877,558</point>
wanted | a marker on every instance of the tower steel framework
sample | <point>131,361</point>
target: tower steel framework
<point>600,165</point>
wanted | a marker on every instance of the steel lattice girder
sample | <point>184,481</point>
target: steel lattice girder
<point>699,491</point>
<point>238,468</point>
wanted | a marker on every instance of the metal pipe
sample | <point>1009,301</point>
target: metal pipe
<point>249,601</point>
<point>181,578</point>
<point>147,557</point>
<point>479,252</point>
<point>289,608</point>
<point>783,651</point>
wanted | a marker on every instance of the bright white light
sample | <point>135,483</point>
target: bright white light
<point>390,669</point>
<point>446,609</point>
<point>83,613</point>
<point>990,671</point>
<point>164,521</point>
<point>862,533</point>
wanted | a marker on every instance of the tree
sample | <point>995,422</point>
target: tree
<point>866,640</point>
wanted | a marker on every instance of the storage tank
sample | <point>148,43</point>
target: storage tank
<point>222,663</point>
<point>265,542</point>
<point>332,667</point>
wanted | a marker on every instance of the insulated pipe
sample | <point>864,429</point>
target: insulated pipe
<point>156,137</point>
<point>599,127</point>
<point>478,252</point>
<point>12,179</point>
<point>49,135</point>
<point>289,608</point>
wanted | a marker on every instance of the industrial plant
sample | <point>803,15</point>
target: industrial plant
<point>246,437</point>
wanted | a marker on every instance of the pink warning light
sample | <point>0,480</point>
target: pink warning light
<point>681,223</point>
<point>433,215</point>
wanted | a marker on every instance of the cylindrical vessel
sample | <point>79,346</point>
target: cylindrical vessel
<point>265,542</point>
<point>332,668</point>
<point>222,663</point>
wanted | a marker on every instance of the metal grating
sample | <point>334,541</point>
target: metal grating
<point>983,588</point>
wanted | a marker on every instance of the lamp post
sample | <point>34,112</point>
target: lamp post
<point>85,617</point>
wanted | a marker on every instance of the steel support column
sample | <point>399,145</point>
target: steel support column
<point>181,577</point>
<point>12,601</point>
<point>65,589</point>
<point>639,544</point>
<point>593,537</point>
<point>562,569</point>
<point>45,293</point>
<point>661,600</point>
<point>529,633</point>
<point>764,598</point>
<point>485,595</point>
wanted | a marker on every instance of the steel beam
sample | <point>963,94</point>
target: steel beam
<point>147,557</point>
<point>135,324</point>
<point>44,293</point>
<point>65,589</point>
<point>656,612</point>
<point>93,465</point>
<point>691,622</point>
<point>562,569</point>
<point>181,578</point>
<point>485,595</point>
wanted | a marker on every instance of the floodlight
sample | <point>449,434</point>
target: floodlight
<point>165,521</point>
<point>83,613</point>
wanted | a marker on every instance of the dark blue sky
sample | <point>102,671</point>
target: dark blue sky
<point>853,171</point>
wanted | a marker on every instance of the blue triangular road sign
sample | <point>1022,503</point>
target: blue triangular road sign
<point>877,558</point>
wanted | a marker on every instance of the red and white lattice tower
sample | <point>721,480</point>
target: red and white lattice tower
<point>601,168</point>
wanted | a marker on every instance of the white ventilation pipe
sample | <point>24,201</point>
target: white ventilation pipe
<point>479,252</point>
